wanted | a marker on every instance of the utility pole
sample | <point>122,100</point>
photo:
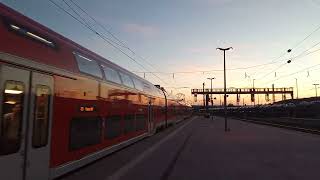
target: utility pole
<point>273,95</point>
<point>254,98</point>
<point>297,88</point>
<point>204,102</point>
<point>315,86</point>
<point>211,90</point>
<point>225,87</point>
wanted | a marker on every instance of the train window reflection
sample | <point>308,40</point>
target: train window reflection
<point>138,84</point>
<point>88,66</point>
<point>41,116</point>
<point>12,109</point>
<point>127,81</point>
<point>111,75</point>
<point>147,88</point>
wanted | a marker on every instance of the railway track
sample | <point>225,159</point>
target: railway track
<point>296,128</point>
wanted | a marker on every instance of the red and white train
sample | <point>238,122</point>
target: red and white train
<point>63,106</point>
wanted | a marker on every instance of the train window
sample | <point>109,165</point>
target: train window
<point>12,110</point>
<point>88,66</point>
<point>138,84</point>
<point>160,93</point>
<point>140,122</point>
<point>113,127</point>
<point>155,91</point>
<point>41,116</point>
<point>147,88</point>
<point>126,80</point>
<point>32,35</point>
<point>85,131</point>
<point>111,75</point>
<point>129,125</point>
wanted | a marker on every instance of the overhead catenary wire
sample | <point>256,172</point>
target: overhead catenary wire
<point>215,70</point>
<point>122,44</point>
<point>204,71</point>
<point>86,23</point>
<point>305,69</point>
<point>113,35</point>
<point>198,71</point>
<point>103,37</point>
<point>300,42</point>
<point>305,51</point>
<point>271,72</point>
<point>278,59</point>
<point>309,35</point>
<point>299,56</point>
<point>287,75</point>
<point>99,24</point>
<point>302,54</point>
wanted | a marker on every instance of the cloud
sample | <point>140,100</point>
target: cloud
<point>143,30</point>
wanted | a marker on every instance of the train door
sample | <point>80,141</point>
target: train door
<point>25,106</point>
<point>39,127</point>
<point>14,87</point>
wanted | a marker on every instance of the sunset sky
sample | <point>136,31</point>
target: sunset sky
<point>182,35</point>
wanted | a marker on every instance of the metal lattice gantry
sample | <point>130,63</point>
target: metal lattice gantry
<point>244,91</point>
<point>252,91</point>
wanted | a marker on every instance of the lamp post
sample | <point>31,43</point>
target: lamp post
<point>225,86</point>
<point>315,86</point>
<point>211,90</point>
<point>297,88</point>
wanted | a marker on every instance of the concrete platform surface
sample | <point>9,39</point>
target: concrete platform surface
<point>200,149</point>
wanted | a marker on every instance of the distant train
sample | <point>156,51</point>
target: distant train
<point>63,106</point>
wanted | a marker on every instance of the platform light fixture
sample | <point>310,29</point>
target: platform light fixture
<point>13,91</point>
<point>10,102</point>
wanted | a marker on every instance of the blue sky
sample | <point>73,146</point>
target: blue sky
<point>181,35</point>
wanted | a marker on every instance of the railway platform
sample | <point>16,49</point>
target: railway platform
<point>200,149</point>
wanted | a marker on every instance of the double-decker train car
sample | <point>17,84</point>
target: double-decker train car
<point>63,106</point>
